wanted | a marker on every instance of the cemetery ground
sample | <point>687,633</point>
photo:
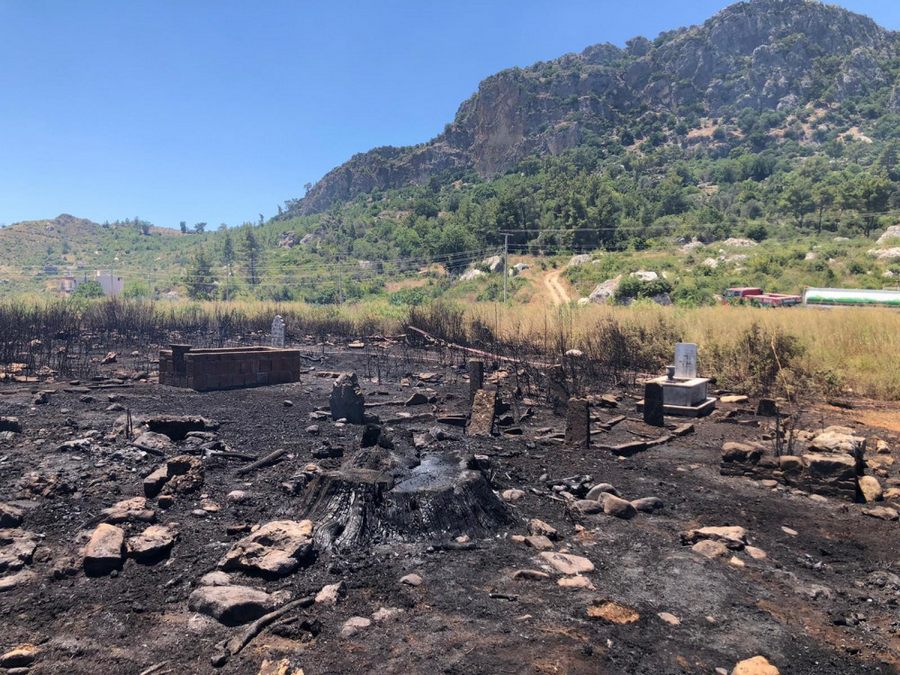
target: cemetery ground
<point>579,560</point>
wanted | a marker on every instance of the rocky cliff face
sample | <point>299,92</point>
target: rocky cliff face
<point>761,54</point>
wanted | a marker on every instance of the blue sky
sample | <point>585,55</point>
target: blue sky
<point>218,110</point>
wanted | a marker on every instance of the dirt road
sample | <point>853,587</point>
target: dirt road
<point>557,292</point>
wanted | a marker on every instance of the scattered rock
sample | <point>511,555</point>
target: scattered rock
<point>217,578</point>
<point>539,527</point>
<point>733,537</point>
<point>613,612</point>
<point>353,625</point>
<point>103,552</point>
<point>539,542</point>
<point>10,516</point>
<point>836,439</point>
<point>734,398</point>
<point>620,508</point>
<point>710,548</point>
<point>134,509</point>
<point>512,495</point>
<point>647,504</point>
<point>231,605</point>
<point>276,549</point>
<point>330,594</point>
<point>383,614</point>
<point>576,582</point>
<point>19,657</point>
<point>596,493</point>
<point>281,667</point>
<point>758,665</point>
<point>13,581</point>
<point>151,545</point>
<point>566,563</point>
<point>587,506</point>
<point>411,580</point>
<point>871,489</point>
<point>882,512</point>
<point>155,480</point>
<point>185,474</point>
<point>237,497</point>
<point>789,531</point>
<point>670,619</point>
<point>530,575</point>
<point>416,399</point>
<point>154,442</point>
<point>755,553</point>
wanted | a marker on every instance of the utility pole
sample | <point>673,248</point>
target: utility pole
<point>340,283</point>
<point>505,263</point>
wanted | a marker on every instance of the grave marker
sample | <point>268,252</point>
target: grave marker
<point>278,332</point>
<point>476,377</point>
<point>685,360</point>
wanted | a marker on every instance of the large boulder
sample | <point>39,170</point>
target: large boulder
<point>275,550</point>
<point>605,292</point>
<point>231,605</point>
<point>891,233</point>
<point>346,400</point>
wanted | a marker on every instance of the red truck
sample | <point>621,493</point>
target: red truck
<point>756,296</point>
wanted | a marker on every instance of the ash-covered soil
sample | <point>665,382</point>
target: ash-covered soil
<point>823,599</point>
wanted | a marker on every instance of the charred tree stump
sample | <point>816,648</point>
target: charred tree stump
<point>438,499</point>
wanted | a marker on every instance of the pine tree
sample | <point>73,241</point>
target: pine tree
<point>251,256</point>
<point>200,278</point>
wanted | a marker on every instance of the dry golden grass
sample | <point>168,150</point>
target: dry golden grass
<point>860,346</point>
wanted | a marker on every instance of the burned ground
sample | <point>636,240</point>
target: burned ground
<point>824,599</point>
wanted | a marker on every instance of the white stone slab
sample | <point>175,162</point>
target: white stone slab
<point>685,360</point>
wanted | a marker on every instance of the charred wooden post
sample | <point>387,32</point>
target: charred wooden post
<point>653,405</point>
<point>578,423</point>
<point>347,401</point>
<point>557,391</point>
<point>476,377</point>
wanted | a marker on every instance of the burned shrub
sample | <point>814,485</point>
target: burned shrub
<point>762,361</point>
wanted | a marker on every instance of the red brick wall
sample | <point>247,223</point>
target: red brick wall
<point>212,369</point>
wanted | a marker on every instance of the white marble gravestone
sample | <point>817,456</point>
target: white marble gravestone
<point>278,332</point>
<point>685,360</point>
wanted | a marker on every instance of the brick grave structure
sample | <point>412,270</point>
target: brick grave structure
<point>229,368</point>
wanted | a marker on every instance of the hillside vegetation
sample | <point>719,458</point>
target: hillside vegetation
<point>776,121</point>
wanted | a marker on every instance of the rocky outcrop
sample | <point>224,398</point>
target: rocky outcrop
<point>764,54</point>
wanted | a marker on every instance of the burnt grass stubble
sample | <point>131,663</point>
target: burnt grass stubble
<point>787,607</point>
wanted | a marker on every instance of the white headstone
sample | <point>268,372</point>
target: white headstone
<point>278,332</point>
<point>685,360</point>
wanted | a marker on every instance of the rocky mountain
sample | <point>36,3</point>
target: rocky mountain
<point>760,54</point>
